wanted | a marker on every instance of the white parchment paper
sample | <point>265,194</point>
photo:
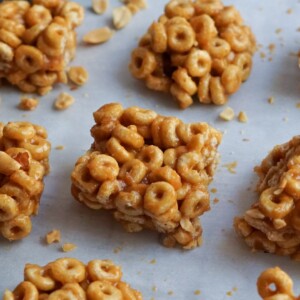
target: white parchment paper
<point>224,263</point>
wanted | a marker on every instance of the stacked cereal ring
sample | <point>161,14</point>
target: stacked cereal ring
<point>69,278</point>
<point>150,171</point>
<point>282,282</point>
<point>197,48</point>
<point>24,153</point>
<point>273,223</point>
<point>37,41</point>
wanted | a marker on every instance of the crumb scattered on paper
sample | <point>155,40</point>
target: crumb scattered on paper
<point>227,114</point>
<point>60,147</point>
<point>271,100</point>
<point>231,167</point>
<point>197,292</point>
<point>53,236</point>
<point>68,247</point>
<point>153,262</point>
<point>242,117</point>
<point>213,190</point>
<point>216,201</point>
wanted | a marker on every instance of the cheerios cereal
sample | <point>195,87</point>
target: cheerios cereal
<point>197,49</point>
<point>272,224</point>
<point>24,153</point>
<point>151,171</point>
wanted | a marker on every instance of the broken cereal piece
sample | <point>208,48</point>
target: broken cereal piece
<point>27,103</point>
<point>53,237</point>
<point>98,36</point>
<point>100,6</point>
<point>68,247</point>
<point>78,75</point>
<point>63,101</point>
<point>242,117</point>
<point>227,114</point>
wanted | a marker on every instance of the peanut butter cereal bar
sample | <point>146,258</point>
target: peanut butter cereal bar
<point>197,49</point>
<point>272,224</point>
<point>69,278</point>
<point>283,285</point>
<point>151,171</point>
<point>24,153</point>
<point>37,41</point>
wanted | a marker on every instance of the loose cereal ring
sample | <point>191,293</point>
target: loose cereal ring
<point>197,48</point>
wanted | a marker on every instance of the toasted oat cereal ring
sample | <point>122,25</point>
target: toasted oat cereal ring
<point>9,38</point>
<point>130,203</point>
<point>155,131</point>
<point>128,136</point>
<point>145,41</point>
<point>181,37</point>
<point>26,87</point>
<point>55,35</point>
<point>292,182</point>
<point>204,27</point>
<point>69,291</point>
<point>185,81</point>
<point>159,198</point>
<point>187,167</point>
<point>195,203</point>
<point>116,150</point>
<point>37,275</point>
<point>47,3</point>
<point>99,290</point>
<point>49,51</point>
<point>218,66</point>
<point>106,191</point>
<point>29,59</point>
<point>19,131</point>
<point>237,38</point>
<point>108,112</point>
<point>8,208</point>
<point>231,79</point>
<point>38,147</point>
<point>12,26</point>
<point>210,7</point>
<point>143,62</point>
<point>217,48</point>
<point>228,15</point>
<point>203,89</point>
<point>31,34</point>
<point>275,276</point>
<point>179,8</point>
<point>157,82</point>
<point>258,241</point>
<point>104,270</point>
<point>6,53</point>
<point>151,156</point>
<point>127,292</point>
<point>168,131</point>
<point>37,14</point>
<point>158,37</point>
<point>183,99</point>
<point>103,167</point>
<point>68,270</point>
<point>73,12</point>
<point>8,9</point>
<point>138,116</point>
<point>17,228</point>
<point>244,61</point>
<point>132,171</point>
<point>198,63</point>
<point>167,174</point>
<point>26,290</point>
<point>275,206</point>
<point>178,59</point>
<point>217,92</point>
<point>42,78</point>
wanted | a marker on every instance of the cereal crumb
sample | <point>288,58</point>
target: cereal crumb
<point>117,250</point>
<point>298,105</point>
<point>100,6</point>
<point>170,293</point>
<point>229,293</point>
<point>272,47</point>
<point>78,75</point>
<point>68,247</point>
<point>63,101</point>
<point>154,288</point>
<point>98,36</point>
<point>242,117</point>
<point>53,236</point>
<point>59,147</point>
<point>216,201</point>
<point>262,55</point>
<point>27,103</point>
<point>121,16</point>
<point>213,190</point>
<point>197,292</point>
<point>278,30</point>
<point>271,100</point>
<point>231,167</point>
<point>153,262</point>
<point>227,114</point>
<point>289,11</point>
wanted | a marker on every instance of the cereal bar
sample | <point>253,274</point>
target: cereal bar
<point>24,153</point>
<point>283,285</point>
<point>37,41</point>
<point>197,49</point>
<point>69,278</point>
<point>272,224</point>
<point>151,171</point>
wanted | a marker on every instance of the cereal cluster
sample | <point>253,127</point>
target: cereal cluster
<point>69,278</point>
<point>273,223</point>
<point>24,153</point>
<point>151,171</point>
<point>37,41</point>
<point>197,48</point>
<point>282,282</point>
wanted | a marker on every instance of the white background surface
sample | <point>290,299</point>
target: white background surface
<point>224,261</point>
